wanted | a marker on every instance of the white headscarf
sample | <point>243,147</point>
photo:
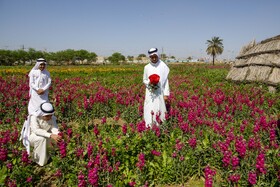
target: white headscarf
<point>153,51</point>
<point>38,62</point>
<point>44,110</point>
<point>164,69</point>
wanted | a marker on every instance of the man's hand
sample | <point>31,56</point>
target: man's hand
<point>40,91</point>
<point>55,137</point>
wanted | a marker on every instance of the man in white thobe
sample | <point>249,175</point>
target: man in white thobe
<point>155,96</point>
<point>43,127</point>
<point>39,84</point>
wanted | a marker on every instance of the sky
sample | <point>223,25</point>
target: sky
<point>177,28</point>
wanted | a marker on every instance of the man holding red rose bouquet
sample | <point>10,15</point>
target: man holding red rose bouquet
<point>157,89</point>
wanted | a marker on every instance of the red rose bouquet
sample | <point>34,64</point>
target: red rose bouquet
<point>154,80</point>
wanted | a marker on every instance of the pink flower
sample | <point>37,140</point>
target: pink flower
<point>62,148</point>
<point>58,173</point>
<point>3,154</point>
<point>252,178</point>
<point>192,142</point>
<point>132,183</point>
<point>93,177</point>
<point>234,178</point>
<point>156,153</point>
<point>209,176</point>
<point>24,157</point>
<point>29,179</point>
<point>141,161</point>
<point>81,180</point>
<point>260,163</point>
<point>124,129</point>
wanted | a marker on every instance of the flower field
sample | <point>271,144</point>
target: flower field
<point>216,133</point>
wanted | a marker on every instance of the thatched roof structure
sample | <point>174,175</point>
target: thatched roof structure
<point>258,63</point>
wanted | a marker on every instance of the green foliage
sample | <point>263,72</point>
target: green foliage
<point>20,57</point>
<point>116,58</point>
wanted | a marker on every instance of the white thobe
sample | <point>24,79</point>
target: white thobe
<point>154,104</point>
<point>38,80</point>
<point>41,131</point>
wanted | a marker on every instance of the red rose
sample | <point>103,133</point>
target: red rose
<point>154,79</point>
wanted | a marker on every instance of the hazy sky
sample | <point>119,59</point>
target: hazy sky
<point>177,27</point>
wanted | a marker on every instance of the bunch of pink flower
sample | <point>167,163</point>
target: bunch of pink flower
<point>62,148</point>
<point>141,161</point>
<point>24,157</point>
<point>209,173</point>
<point>192,142</point>
<point>124,129</point>
<point>260,163</point>
<point>93,176</point>
<point>252,178</point>
<point>240,146</point>
<point>156,153</point>
<point>234,178</point>
<point>81,180</point>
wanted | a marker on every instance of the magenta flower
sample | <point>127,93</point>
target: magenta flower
<point>95,130</point>
<point>58,173</point>
<point>3,154</point>
<point>240,146</point>
<point>93,176</point>
<point>132,183</point>
<point>141,161</point>
<point>227,158</point>
<point>234,178</point>
<point>62,148</point>
<point>192,142</point>
<point>179,145</point>
<point>209,173</point>
<point>235,161</point>
<point>141,126</point>
<point>156,153</point>
<point>124,129</point>
<point>260,163</point>
<point>103,120</point>
<point>252,178</point>
<point>24,157</point>
<point>29,179</point>
<point>9,165</point>
<point>81,180</point>
<point>89,150</point>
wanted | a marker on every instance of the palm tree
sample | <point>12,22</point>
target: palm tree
<point>215,47</point>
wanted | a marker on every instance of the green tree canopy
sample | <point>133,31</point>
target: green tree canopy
<point>141,55</point>
<point>116,58</point>
<point>215,47</point>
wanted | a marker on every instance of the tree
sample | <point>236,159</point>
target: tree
<point>142,55</point>
<point>116,58</point>
<point>215,47</point>
<point>130,58</point>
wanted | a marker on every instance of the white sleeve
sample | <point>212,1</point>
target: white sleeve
<point>54,128</point>
<point>32,81</point>
<point>146,80</point>
<point>34,125</point>
<point>166,91</point>
<point>47,86</point>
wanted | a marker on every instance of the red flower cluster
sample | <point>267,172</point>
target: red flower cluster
<point>154,79</point>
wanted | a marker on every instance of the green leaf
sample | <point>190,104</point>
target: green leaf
<point>3,174</point>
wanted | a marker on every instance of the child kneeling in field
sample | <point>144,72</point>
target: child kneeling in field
<point>38,129</point>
